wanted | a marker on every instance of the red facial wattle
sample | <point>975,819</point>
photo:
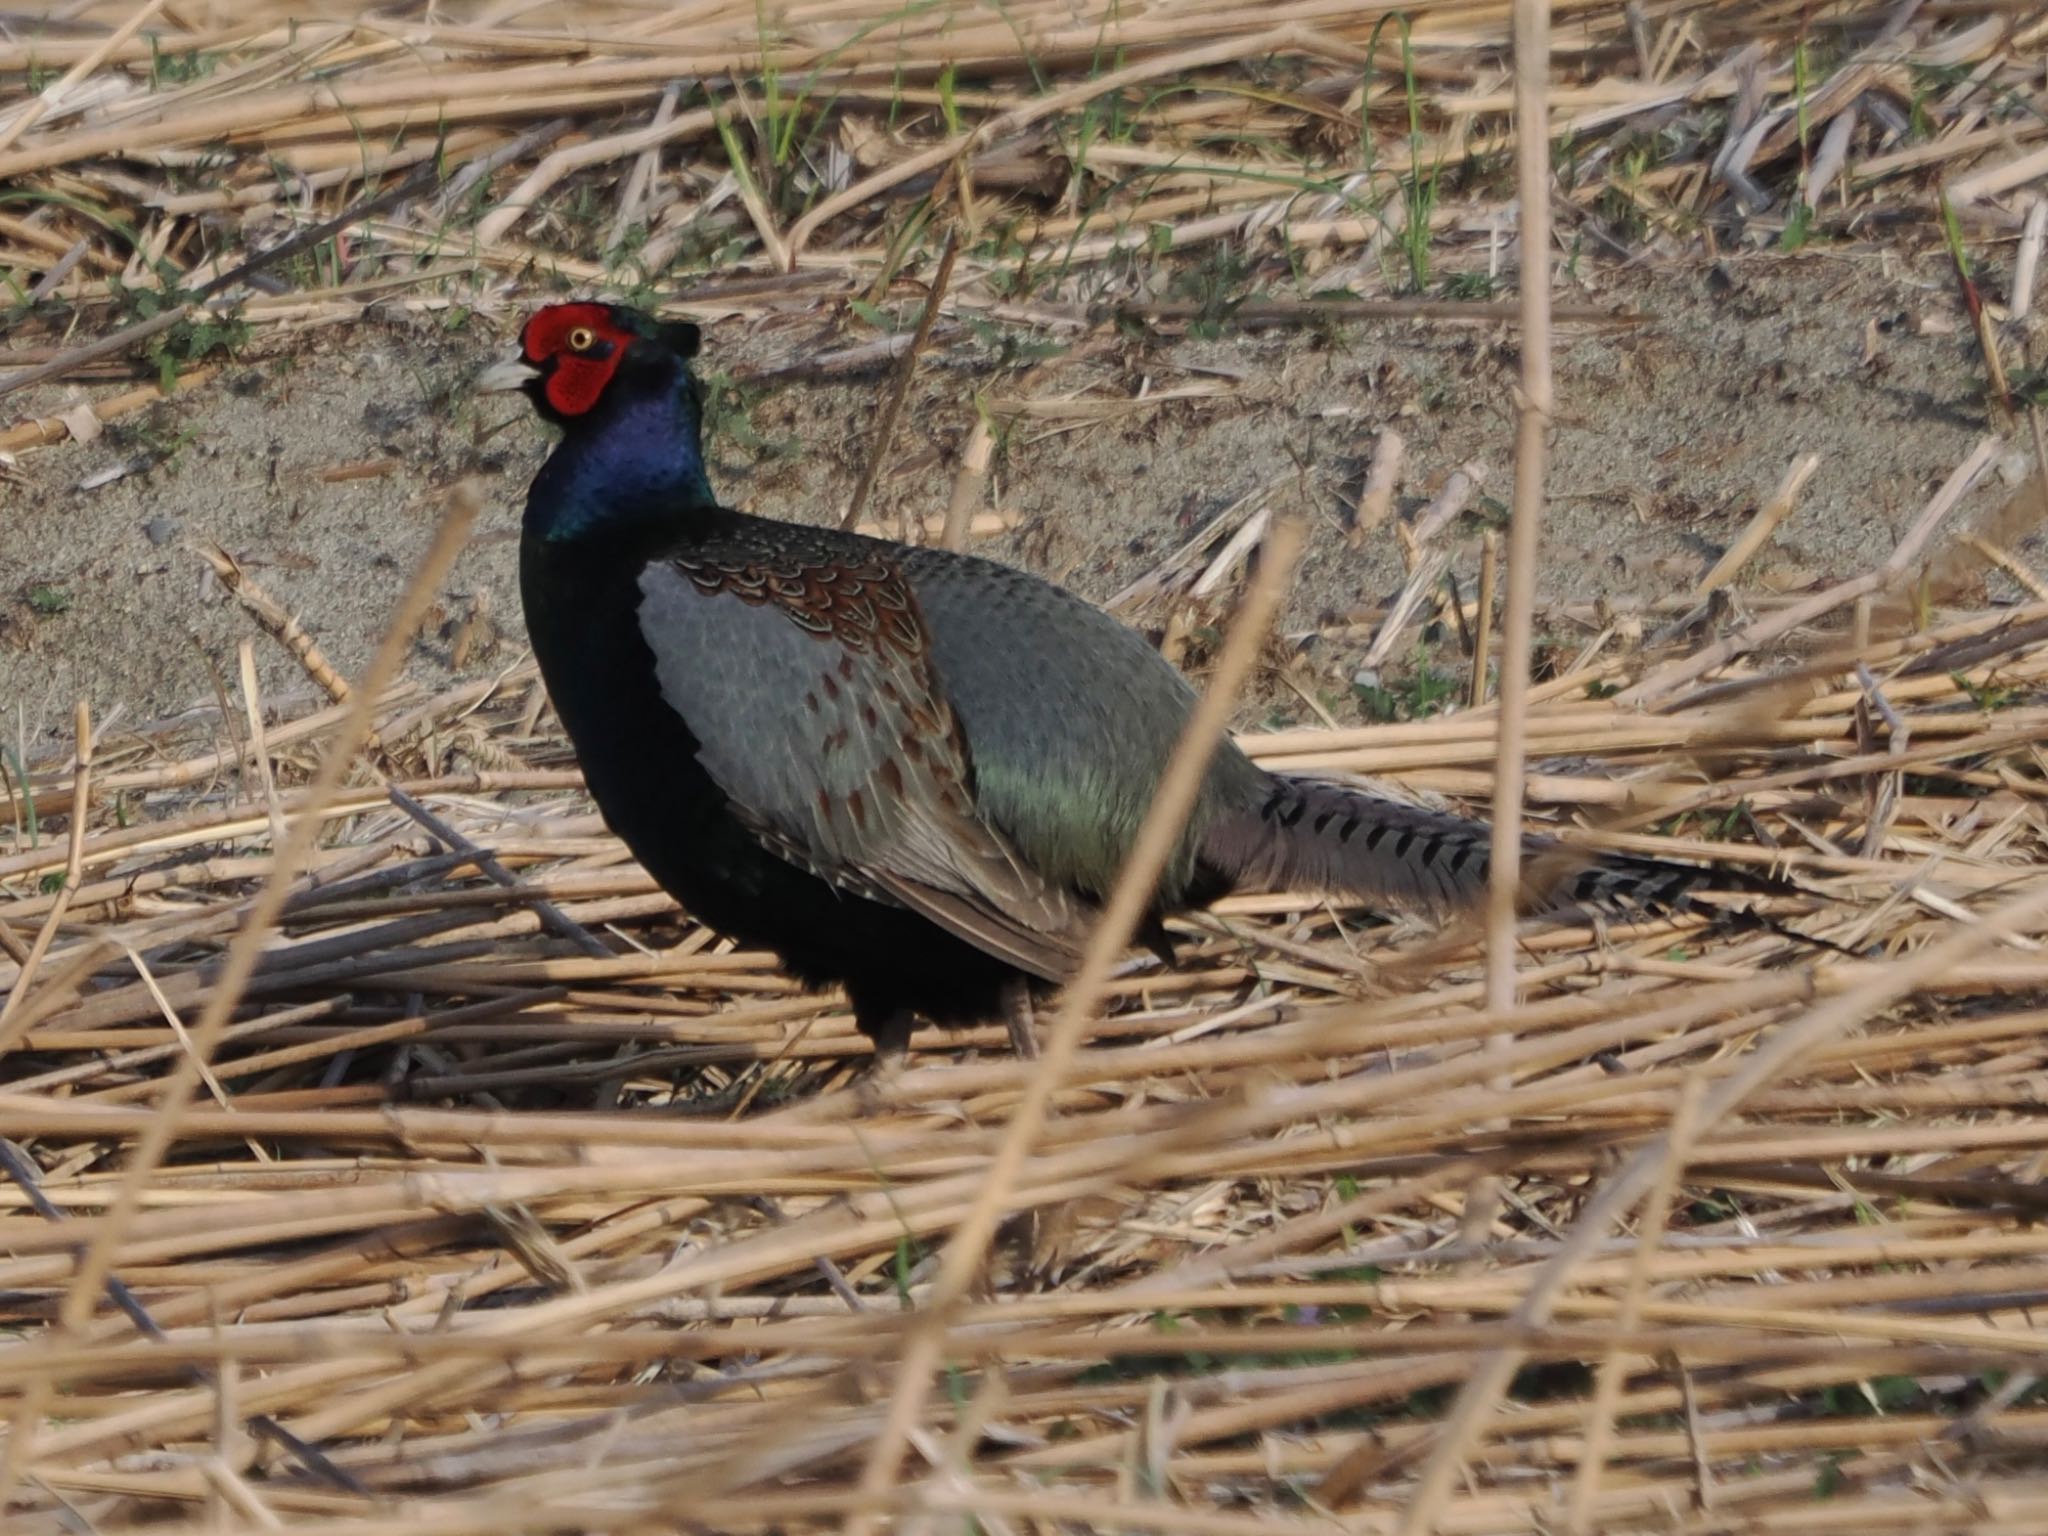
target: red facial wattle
<point>580,347</point>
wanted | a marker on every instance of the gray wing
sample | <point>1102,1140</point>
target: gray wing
<point>809,689</point>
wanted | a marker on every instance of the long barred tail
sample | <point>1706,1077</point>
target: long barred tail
<point>1315,834</point>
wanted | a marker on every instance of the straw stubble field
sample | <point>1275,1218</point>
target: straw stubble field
<point>386,1155</point>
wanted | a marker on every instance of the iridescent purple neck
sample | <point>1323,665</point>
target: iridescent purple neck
<point>637,456</point>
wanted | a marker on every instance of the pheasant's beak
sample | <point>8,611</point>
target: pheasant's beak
<point>514,373</point>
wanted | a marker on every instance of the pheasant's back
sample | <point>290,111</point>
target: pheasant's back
<point>1069,715</point>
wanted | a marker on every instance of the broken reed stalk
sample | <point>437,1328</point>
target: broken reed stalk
<point>1482,623</point>
<point>1376,498</point>
<point>1532,447</point>
<point>113,344</point>
<point>2026,263</point>
<point>968,484</point>
<point>259,745</point>
<point>962,1257</point>
<point>906,374</point>
<point>1649,1236</point>
<point>43,432</point>
<point>1014,122</point>
<point>546,910</point>
<point>1585,1111</point>
<point>277,620</point>
<point>1760,528</point>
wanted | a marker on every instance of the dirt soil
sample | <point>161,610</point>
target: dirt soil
<point>314,465</point>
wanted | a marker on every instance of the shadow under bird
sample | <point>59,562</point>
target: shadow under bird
<point>909,772</point>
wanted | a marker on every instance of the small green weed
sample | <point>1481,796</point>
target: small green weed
<point>880,318</point>
<point>728,407</point>
<point>177,68</point>
<point>1952,235</point>
<point>1620,204</point>
<point>1988,696</point>
<point>1830,1480</point>
<point>907,1258</point>
<point>1010,344</point>
<point>46,601</point>
<point>1216,283</point>
<point>790,120</point>
<point>164,441</point>
<point>1801,67</point>
<point>2029,386</point>
<point>1711,1208</point>
<point>1423,692</point>
<point>1798,226</point>
<point>191,340</point>
<point>1418,190</point>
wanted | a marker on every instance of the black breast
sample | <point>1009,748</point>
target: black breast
<point>639,758</point>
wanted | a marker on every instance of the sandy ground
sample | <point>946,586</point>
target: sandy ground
<point>1671,432</point>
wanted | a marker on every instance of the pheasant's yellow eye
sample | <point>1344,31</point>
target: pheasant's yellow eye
<point>582,339</point>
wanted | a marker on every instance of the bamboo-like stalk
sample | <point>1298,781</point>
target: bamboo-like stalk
<point>1532,453</point>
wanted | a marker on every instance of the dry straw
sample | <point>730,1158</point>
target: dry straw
<point>386,1155</point>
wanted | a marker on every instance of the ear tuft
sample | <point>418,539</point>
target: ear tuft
<point>680,337</point>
